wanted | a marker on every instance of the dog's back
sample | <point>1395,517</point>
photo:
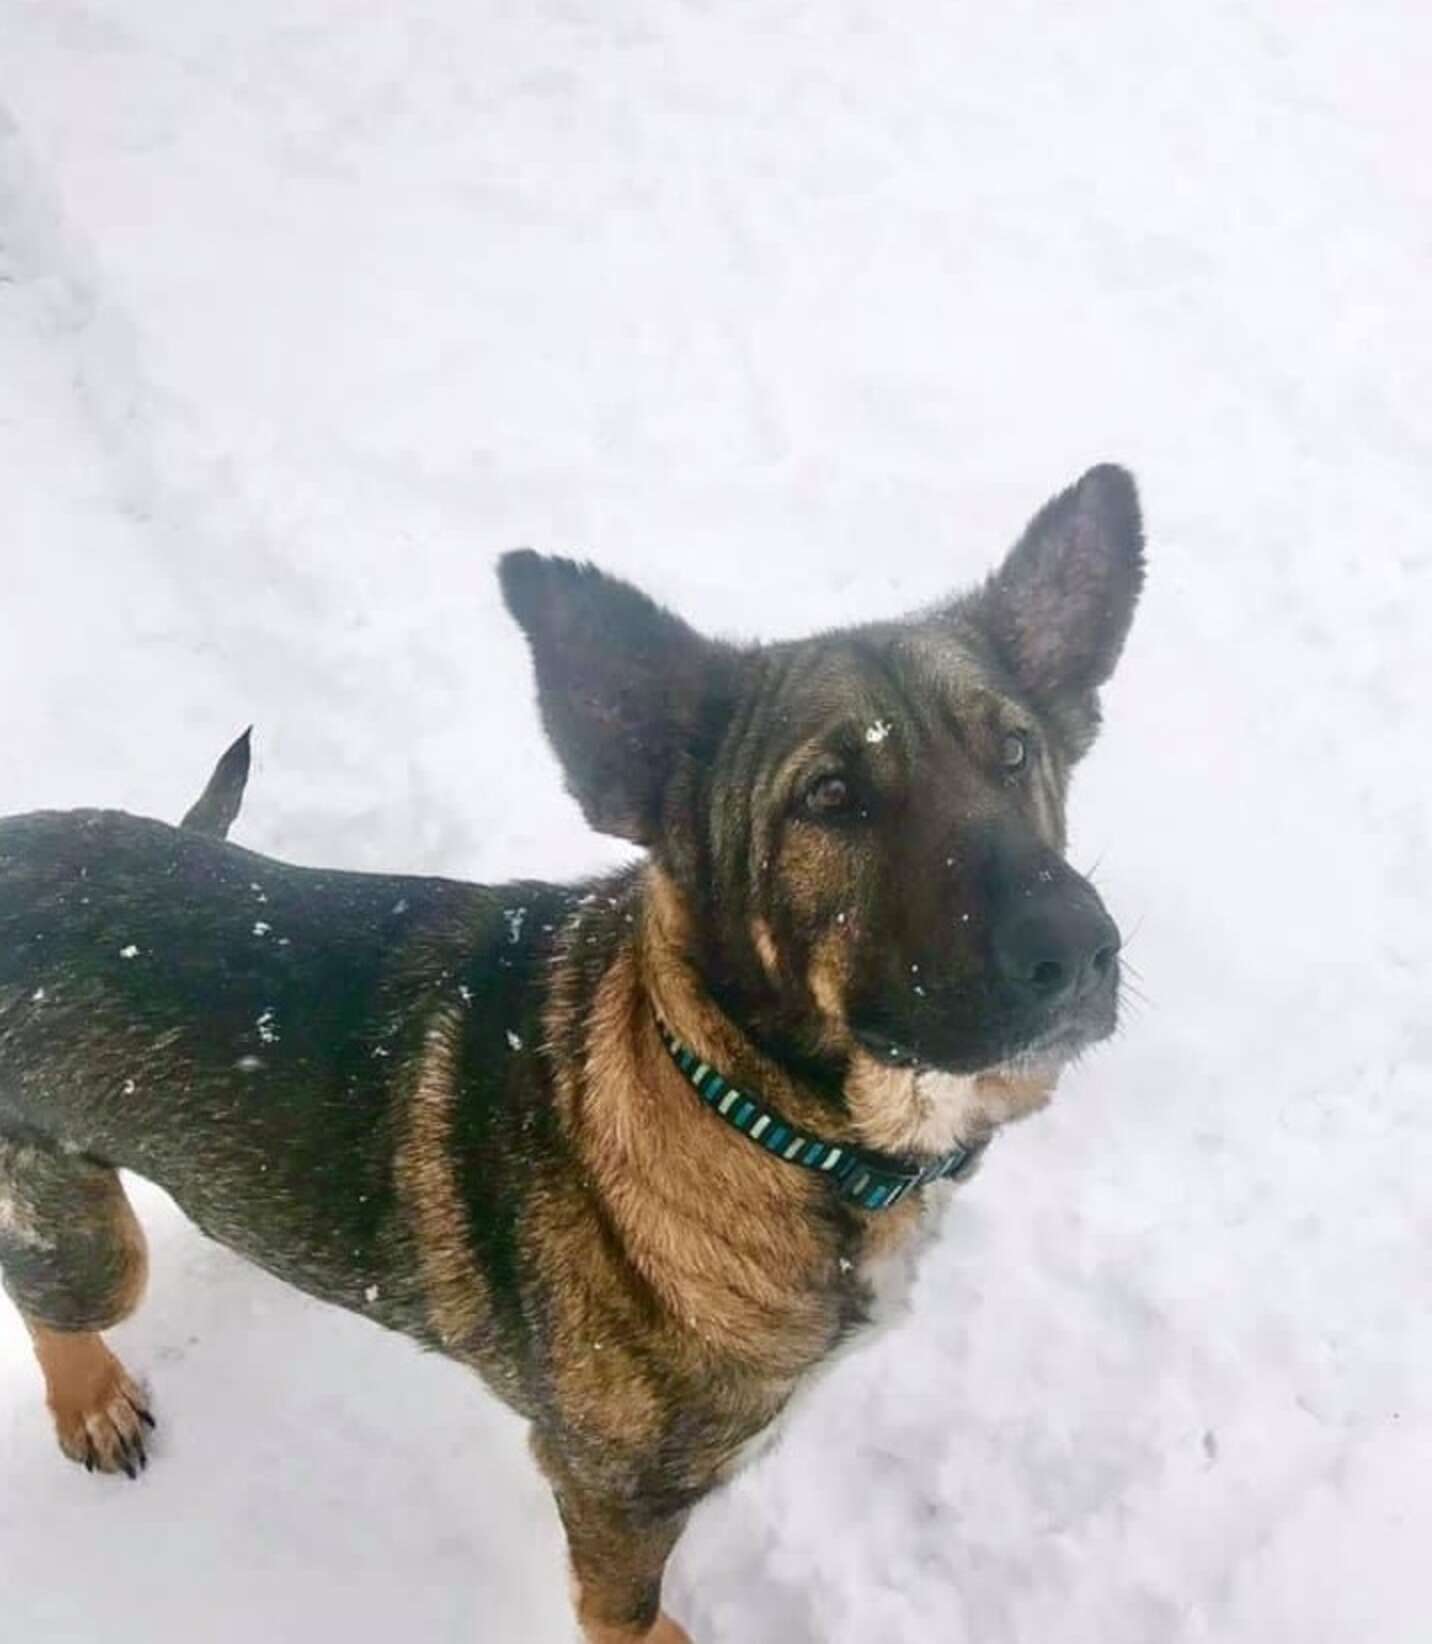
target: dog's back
<point>232,1027</point>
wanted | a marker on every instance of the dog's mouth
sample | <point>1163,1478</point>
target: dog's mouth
<point>1017,1049</point>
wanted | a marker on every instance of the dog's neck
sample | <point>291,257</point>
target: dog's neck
<point>741,1252</point>
<point>679,995</point>
<point>729,1246</point>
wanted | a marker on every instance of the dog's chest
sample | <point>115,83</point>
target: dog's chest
<point>877,1285</point>
<point>882,1276</point>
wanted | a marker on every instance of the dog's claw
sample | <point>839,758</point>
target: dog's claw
<point>100,1416</point>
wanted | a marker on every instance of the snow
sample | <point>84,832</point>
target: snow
<point>793,313</point>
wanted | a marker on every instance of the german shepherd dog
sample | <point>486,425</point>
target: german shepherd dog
<point>633,1150</point>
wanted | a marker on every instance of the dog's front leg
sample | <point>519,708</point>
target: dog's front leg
<point>619,1546</point>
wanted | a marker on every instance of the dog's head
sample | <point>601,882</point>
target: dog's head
<point>864,829</point>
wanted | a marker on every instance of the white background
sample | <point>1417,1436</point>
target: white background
<point>794,312</point>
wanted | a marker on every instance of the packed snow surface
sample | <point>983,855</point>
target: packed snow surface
<point>793,313</point>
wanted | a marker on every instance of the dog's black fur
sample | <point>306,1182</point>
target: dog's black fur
<point>214,812</point>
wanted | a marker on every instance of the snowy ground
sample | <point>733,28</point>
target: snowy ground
<point>309,308</point>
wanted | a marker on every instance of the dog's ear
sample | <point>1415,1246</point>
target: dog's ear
<point>1059,608</point>
<point>626,689</point>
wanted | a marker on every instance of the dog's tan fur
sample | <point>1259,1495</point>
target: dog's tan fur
<point>95,1405</point>
<point>454,1288</point>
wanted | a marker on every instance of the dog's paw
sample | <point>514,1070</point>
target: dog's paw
<point>101,1415</point>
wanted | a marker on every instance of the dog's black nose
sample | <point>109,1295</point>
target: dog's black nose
<point>1056,948</point>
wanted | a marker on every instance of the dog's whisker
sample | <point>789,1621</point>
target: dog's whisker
<point>1133,1000</point>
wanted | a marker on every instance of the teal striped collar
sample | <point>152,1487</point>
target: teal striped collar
<point>873,1181</point>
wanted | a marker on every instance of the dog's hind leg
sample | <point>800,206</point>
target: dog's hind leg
<point>74,1262</point>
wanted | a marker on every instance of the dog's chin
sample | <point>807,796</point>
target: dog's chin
<point>922,1098</point>
<point>1015,1085</point>
<point>1036,1054</point>
<point>1064,1043</point>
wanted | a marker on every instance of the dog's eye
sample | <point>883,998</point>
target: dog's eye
<point>829,795</point>
<point>1014,751</point>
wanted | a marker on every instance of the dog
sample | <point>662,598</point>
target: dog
<point>633,1150</point>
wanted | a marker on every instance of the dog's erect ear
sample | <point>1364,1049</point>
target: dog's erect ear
<point>626,689</point>
<point>1059,608</point>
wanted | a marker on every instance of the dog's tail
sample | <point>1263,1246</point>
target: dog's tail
<point>213,812</point>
